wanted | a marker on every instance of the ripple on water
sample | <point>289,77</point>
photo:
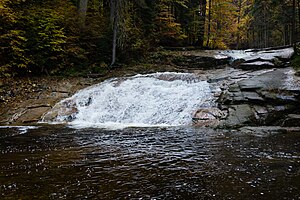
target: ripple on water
<point>161,163</point>
<point>14,130</point>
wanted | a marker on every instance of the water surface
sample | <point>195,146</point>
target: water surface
<point>57,162</point>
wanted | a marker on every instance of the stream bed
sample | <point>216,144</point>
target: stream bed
<point>184,162</point>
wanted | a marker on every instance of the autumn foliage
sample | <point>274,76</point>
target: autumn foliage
<point>55,36</point>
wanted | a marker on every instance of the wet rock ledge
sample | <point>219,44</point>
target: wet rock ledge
<point>271,98</point>
<point>260,89</point>
<point>257,88</point>
<point>26,100</point>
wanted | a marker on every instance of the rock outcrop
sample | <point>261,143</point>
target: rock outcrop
<point>272,98</point>
<point>257,59</point>
<point>258,89</point>
<point>26,101</point>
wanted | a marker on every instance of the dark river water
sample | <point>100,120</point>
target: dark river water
<point>57,162</point>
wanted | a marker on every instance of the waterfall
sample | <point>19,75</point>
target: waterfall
<point>160,99</point>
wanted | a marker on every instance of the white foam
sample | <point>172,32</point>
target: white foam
<point>160,99</point>
<point>22,129</point>
<point>260,63</point>
<point>264,54</point>
<point>292,82</point>
<point>220,56</point>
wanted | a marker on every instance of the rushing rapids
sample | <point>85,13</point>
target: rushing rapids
<point>160,99</point>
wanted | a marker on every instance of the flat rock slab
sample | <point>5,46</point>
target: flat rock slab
<point>269,80</point>
<point>214,79</point>
<point>268,130</point>
<point>63,88</point>
<point>33,115</point>
<point>253,96</point>
<point>234,88</point>
<point>239,115</point>
<point>250,85</point>
<point>263,99</point>
<point>256,65</point>
<point>260,59</point>
<point>59,95</point>
<point>262,54</point>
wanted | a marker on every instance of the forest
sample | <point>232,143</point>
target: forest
<point>40,37</point>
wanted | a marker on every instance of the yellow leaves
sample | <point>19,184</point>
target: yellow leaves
<point>229,22</point>
<point>168,28</point>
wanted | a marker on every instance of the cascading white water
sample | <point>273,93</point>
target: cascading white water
<point>158,99</point>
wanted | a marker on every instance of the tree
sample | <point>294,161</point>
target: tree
<point>209,22</point>
<point>192,21</point>
<point>82,9</point>
<point>115,21</point>
<point>221,23</point>
<point>168,30</point>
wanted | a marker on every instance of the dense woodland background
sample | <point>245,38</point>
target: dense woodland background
<point>56,36</point>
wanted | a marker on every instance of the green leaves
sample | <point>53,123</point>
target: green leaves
<point>14,47</point>
<point>169,31</point>
<point>34,37</point>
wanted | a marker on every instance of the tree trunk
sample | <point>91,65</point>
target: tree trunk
<point>238,24</point>
<point>82,8</point>
<point>283,36</point>
<point>290,35</point>
<point>202,10</point>
<point>114,43</point>
<point>209,19</point>
<point>116,7</point>
<point>265,28</point>
<point>294,23</point>
<point>298,15</point>
<point>266,35</point>
<point>253,39</point>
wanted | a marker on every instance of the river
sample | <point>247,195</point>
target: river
<point>183,162</point>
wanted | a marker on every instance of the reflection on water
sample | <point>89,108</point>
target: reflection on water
<point>148,163</point>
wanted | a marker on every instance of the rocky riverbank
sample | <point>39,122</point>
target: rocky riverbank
<point>251,88</point>
<point>264,98</point>
<point>25,100</point>
<point>260,89</point>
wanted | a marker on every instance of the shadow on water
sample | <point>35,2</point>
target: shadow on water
<point>147,163</point>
